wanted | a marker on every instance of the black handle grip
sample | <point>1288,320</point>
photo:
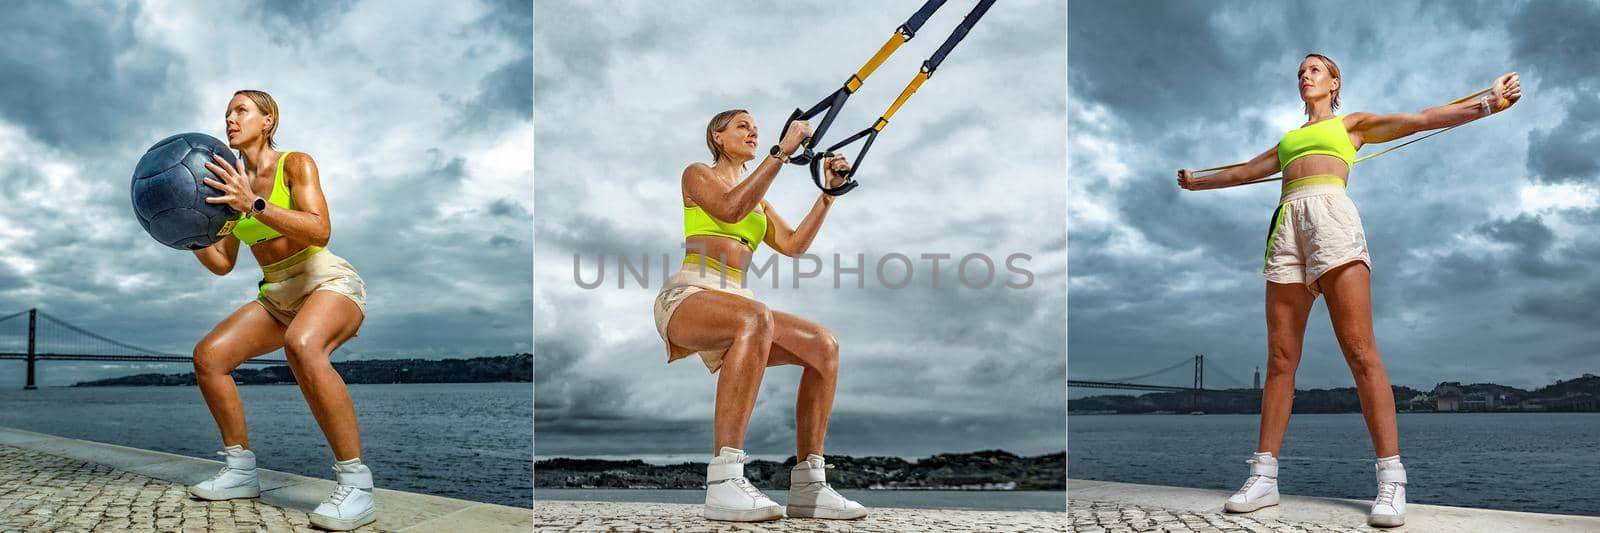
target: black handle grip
<point>869,134</point>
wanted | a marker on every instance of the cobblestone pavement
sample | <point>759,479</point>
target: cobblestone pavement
<point>1102,517</point>
<point>553,516</point>
<point>42,492</point>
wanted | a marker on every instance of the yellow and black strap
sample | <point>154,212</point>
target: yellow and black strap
<point>835,101</point>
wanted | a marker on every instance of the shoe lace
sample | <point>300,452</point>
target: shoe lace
<point>744,484</point>
<point>1386,493</point>
<point>339,494</point>
<point>224,471</point>
<point>1247,484</point>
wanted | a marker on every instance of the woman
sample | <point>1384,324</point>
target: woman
<point>705,308</point>
<point>309,303</point>
<point>1316,245</point>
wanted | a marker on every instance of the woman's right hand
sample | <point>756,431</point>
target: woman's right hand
<point>798,132</point>
<point>1189,181</point>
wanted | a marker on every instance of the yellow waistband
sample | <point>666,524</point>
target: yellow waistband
<point>731,273</point>
<point>291,261</point>
<point>1319,179</point>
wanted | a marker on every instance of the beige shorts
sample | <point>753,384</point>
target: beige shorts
<point>693,278</point>
<point>287,284</point>
<point>1315,229</point>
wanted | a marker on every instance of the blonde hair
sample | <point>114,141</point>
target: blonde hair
<point>1333,69</point>
<point>268,106</point>
<point>719,123</point>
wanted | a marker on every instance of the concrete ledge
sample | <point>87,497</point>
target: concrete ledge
<point>1328,511</point>
<point>398,510</point>
<point>561,516</point>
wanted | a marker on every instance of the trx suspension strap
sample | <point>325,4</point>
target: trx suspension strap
<point>1277,175</point>
<point>835,101</point>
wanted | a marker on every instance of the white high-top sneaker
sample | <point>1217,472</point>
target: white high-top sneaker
<point>1260,490</point>
<point>810,496</point>
<point>731,497</point>
<point>236,480</point>
<point>1389,510</point>
<point>350,506</point>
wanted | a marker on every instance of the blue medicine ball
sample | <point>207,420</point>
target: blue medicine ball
<point>169,192</point>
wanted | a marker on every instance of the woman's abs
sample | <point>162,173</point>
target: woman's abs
<point>729,252</point>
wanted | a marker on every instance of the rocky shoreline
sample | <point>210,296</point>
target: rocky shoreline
<point>984,470</point>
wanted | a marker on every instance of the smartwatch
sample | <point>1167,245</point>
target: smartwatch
<point>777,152</point>
<point>258,206</point>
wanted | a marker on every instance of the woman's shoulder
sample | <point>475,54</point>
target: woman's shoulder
<point>1352,120</point>
<point>696,169</point>
<point>298,166</point>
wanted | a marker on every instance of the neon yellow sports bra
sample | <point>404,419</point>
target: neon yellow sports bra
<point>750,230</point>
<point>251,231</point>
<point>1327,137</point>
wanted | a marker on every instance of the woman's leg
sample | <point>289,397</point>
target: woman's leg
<point>1288,306</point>
<point>246,333</point>
<point>1349,293</point>
<point>709,321</point>
<point>325,322</point>
<point>797,341</point>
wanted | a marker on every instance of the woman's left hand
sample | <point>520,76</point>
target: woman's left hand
<point>1508,88</point>
<point>235,185</point>
<point>834,167</point>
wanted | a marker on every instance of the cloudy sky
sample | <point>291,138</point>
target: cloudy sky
<point>418,114</point>
<point>971,164</point>
<point>1482,238</point>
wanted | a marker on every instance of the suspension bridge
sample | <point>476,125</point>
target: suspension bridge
<point>1166,379</point>
<point>47,338</point>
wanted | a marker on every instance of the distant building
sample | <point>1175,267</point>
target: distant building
<point>1447,398</point>
<point>1420,402</point>
<point>1477,401</point>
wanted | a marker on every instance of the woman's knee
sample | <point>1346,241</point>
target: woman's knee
<point>211,358</point>
<point>1282,358</point>
<point>303,347</point>
<point>1362,356</point>
<point>758,321</point>
<point>828,346</point>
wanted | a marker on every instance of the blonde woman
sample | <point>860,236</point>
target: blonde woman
<point>1316,245</point>
<point>309,303</point>
<point>706,309</point>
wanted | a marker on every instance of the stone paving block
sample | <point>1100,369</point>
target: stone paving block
<point>568,516</point>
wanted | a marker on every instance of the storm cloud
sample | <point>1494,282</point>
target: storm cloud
<point>971,164</point>
<point>1481,238</point>
<point>418,114</point>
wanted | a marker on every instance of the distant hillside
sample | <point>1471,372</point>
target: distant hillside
<point>985,470</point>
<point>1581,394</point>
<point>513,368</point>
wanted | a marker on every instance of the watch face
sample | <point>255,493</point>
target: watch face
<point>774,150</point>
<point>260,205</point>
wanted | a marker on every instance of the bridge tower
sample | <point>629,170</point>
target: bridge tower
<point>33,321</point>
<point>1199,381</point>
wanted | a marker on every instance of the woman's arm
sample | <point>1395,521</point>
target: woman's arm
<point>1375,128</point>
<point>1258,167</point>
<point>308,221</point>
<point>220,257</point>
<point>730,203</point>
<point>795,241</point>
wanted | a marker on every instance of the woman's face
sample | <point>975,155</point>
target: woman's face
<point>1315,80</point>
<point>739,139</point>
<point>246,123</point>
